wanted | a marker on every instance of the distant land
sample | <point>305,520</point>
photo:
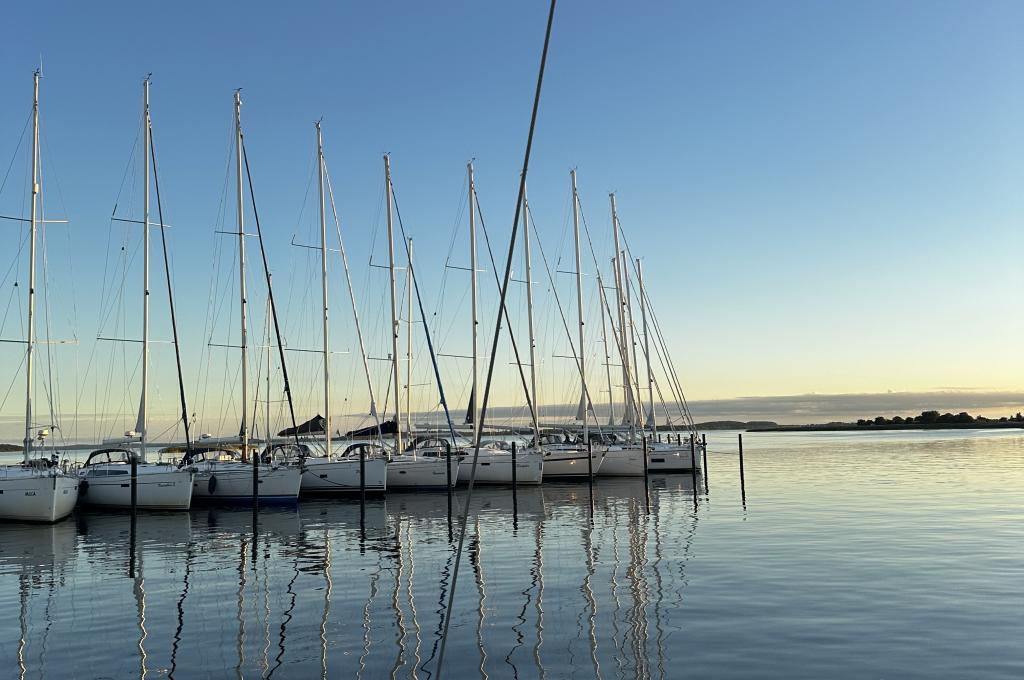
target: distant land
<point>928,420</point>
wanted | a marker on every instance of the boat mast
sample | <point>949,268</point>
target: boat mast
<point>607,356</point>
<point>473,294</point>
<point>408,342</point>
<point>627,416</point>
<point>394,304</point>
<point>529,316</point>
<point>627,288</point>
<point>30,345</point>
<point>243,433</point>
<point>323,286</point>
<point>143,420</point>
<point>579,305</point>
<point>652,420</point>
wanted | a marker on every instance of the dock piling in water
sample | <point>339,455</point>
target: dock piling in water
<point>743,484</point>
<point>704,455</point>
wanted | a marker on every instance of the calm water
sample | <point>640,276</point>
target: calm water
<point>894,555</point>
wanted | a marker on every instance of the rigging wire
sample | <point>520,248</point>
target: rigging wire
<point>270,295</point>
<point>170,292</point>
<point>497,333</point>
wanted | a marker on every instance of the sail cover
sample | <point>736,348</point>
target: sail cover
<point>314,425</point>
<point>387,427</point>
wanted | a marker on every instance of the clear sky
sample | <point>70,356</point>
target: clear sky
<point>826,195</point>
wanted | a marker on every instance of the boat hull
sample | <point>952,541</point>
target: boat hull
<point>673,458</point>
<point>231,483</point>
<point>421,473</point>
<point>30,496</point>
<point>158,487</point>
<point>495,467</point>
<point>623,462</point>
<point>323,475</point>
<point>572,463</point>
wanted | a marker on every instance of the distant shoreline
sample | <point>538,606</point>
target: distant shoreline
<point>853,427</point>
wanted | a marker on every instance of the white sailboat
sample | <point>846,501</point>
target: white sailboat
<point>226,475</point>
<point>494,462</point>
<point>661,456</point>
<point>407,469</point>
<point>330,471</point>
<point>565,454</point>
<point>37,490</point>
<point>106,475</point>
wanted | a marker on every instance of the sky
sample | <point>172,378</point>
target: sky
<point>825,196</point>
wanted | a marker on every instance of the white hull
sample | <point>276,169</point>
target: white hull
<point>571,462</point>
<point>421,472</point>
<point>233,483</point>
<point>28,495</point>
<point>158,487</point>
<point>495,467</point>
<point>324,475</point>
<point>673,458</point>
<point>627,461</point>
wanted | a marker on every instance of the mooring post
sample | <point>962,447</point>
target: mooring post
<point>515,484</point>
<point>743,484</point>
<point>135,483</point>
<point>693,465</point>
<point>362,490</point>
<point>255,477</point>
<point>704,455</point>
<point>590,461</point>
<point>647,486</point>
<point>515,472</point>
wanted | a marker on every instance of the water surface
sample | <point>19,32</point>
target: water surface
<point>888,555</point>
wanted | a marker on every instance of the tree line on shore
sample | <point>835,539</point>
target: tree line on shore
<point>934,417</point>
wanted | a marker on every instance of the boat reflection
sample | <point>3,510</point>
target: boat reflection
<point>559,575</point>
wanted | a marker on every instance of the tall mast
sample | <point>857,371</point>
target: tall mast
<point>143,421</point>
<point>529,315</point>
<point>473,295</point>
<point>647,345</point>
<point>243,433</point>
<point>607,355</point>
<point>623,351</point>
<point>394,305</point>
<point>627,288</point>
<point>579,306</point>
<point>408,343</point>
<point>31,338</point>
<point>323,286</point>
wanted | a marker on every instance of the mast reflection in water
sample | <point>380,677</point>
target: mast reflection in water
<point>307,594</point>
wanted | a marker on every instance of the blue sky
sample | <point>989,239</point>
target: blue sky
<point>826,195</point>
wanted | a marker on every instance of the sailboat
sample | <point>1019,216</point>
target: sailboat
<point>105,475</point>
<point>661,456</point>
<point>566,454</point>
<point>494,464</point>
<point>412,468</point>
<point>329,471</point>
<point>230,475</point>
<point>37,490</point>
